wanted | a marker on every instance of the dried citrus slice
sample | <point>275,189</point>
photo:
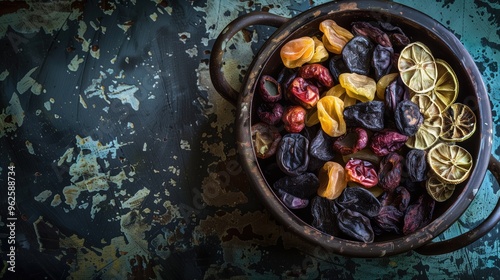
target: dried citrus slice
<point>382,84</point>
<point>451,163</point>
<point>417,67</point>
<point>459,123</point>
<point>430,130</point>
<point>445,91</point>
<point>438,190</point>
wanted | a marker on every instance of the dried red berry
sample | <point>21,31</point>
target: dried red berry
<point>317,72</point>
<point>354,140</point>
<point>362,172</point>
<point>294,118</point>
<point>269,89</point>
<point>303,93</point>
<point>386,141</point>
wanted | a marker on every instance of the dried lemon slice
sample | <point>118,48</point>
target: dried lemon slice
<point>459,123</point>
<point>451,163</point>
<point>417,67</point>
<point>430,130</point>
<point>445,91</point>
<point>438,190</point>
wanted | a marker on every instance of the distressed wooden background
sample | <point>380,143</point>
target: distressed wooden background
<point>125,155</point>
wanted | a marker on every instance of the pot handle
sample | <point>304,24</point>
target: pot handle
<point>458,242</point>
<point>216,56</point>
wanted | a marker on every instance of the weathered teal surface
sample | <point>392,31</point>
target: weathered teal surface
<point>125,155</point>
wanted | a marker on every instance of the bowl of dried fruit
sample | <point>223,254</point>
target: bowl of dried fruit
<point>363,126</point>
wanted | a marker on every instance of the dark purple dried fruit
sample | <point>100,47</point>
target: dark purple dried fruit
<point>390,171</point>
<point>362,172</point>
<point>292,155</point>
<point>419,214</point>
<point>369,115</point>
<point>269,89</point>
<point>357,55</point>
<point>386,141</point>
<point>389,219</point>
<point>324,213</point>
<point>291,201</point>
<point>372,32</point>
<point>356,225</point>
<point>301,186</point>
<point>382,60</point>
<point>318,73</point>
<point>265,138</point>
<point>321,146</point>
<point>303,93</point>
<point>337,66</point>
<point>408,118</point>
<point>395,93</point>
<point>354,140</point>
<point>270,113</point>
<point>294,118</point>
<point>360,200</point>
<point>416,165</point>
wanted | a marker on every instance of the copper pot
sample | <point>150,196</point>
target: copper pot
<point>419,27</point>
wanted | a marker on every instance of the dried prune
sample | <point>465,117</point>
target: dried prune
<point>321,146</point>
<point>337,66</point>
<point>301,186</point>
<point>291,201</point>
<point>269,89</point>
<point>270,113</point>
<point>401,198</point>
<point>357,55</point>
<point>395,92</point>
<point>369,115</point>
<point>330,115</point>
<point>292,154</point>
<point>389,175</point>
<point>408,118</point>
<point>372,32</point>
<point>355,225</point>
<point>354,140</point>
<point>334,37</point>
<point>303,93</point>
<point>362,172</point>
<point>324,213</point>
<point>316,72</point>
<point>332,180</point>
<point>418,214</point>
<point>294,118</point>
<point>265,138</point>
<point>385,141</point>
<point>416,165</point>
<point>389,219</point>
<point>360,200</point>
<point>382,60</point>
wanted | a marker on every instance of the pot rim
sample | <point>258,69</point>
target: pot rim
<point>291,221</point>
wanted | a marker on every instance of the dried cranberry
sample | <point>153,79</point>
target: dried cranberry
<point>294,118</point>
<point>303,93</point>
<point>270,89</point>
<point>270,113</point>
<point>317,72</point>
<point>354,140</point>
<point>362,172</point>
<point>386,141</point>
